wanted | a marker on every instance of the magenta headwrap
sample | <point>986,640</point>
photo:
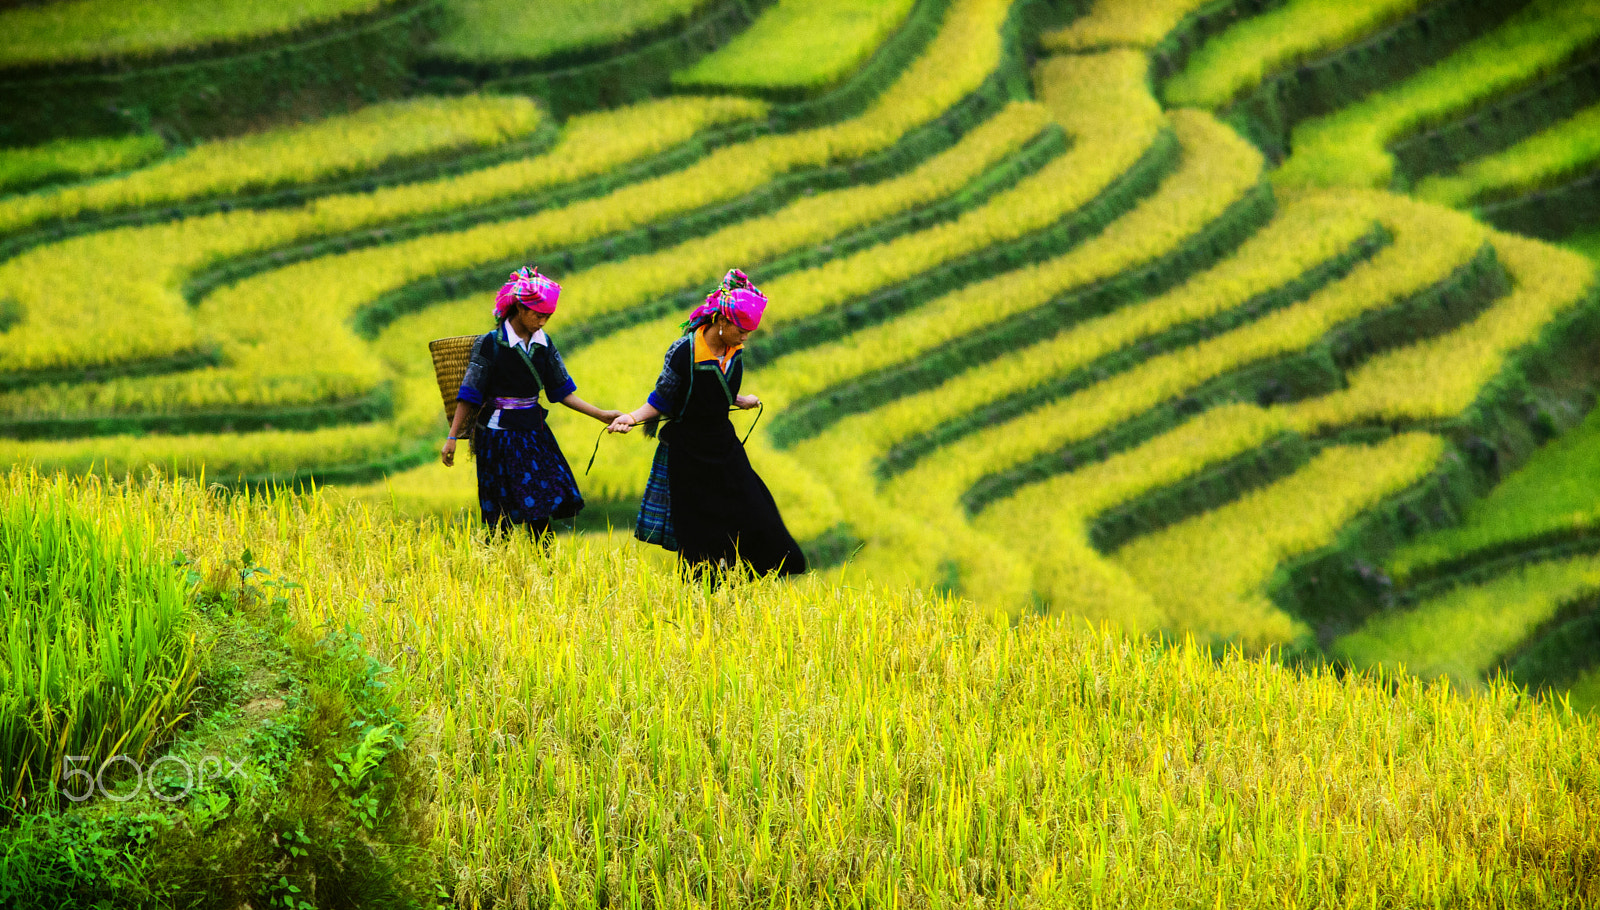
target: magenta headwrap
<point>737,299</point>
<point>529,288</point>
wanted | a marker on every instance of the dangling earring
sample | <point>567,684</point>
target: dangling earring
<point>719,333</point>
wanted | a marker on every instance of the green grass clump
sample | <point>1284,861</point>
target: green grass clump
<point>1348,148</point>
<point>1461,634</point>
<point>1558,489</point>
<point>96,659</point>
<point>288,778</point>
<point>1551,157</point>
<point>603,733</point>
<point>517,30</point>
<point>799,44</point>
<point>66,159</point>
<point>1238,60</point>
<point>77,31</point>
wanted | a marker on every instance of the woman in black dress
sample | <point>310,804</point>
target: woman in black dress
<point>523,479</point>
<point>703,499</point>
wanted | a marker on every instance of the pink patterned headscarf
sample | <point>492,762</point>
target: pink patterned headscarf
<point>737,300</point>
<point>529,288</point>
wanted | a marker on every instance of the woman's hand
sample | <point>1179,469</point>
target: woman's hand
<point>608,416</point>
<point>747,401</point>
<point>622,423</point>
<point>448,453</point>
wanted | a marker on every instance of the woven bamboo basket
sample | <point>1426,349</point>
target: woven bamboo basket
<point>450,356</point>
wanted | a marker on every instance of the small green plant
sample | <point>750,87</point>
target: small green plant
<point>353,767</point>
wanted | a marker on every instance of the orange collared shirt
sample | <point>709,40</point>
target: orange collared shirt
<point>702,351</point>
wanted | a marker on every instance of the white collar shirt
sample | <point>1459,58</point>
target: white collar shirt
<point>517,341</point>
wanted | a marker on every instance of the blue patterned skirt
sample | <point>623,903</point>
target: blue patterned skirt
<point>655,510</point>
<point>523,478</point>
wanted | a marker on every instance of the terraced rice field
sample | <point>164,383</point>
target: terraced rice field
<point>1189,326</point>
<point>1269,325</point>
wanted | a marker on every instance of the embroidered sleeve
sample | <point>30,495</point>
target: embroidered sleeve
<point>474,383</point>
<point>553,373</point>
<point>669,386</point>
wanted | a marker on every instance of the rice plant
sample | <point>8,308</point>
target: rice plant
<point>98,660</point>
<point>603,733</point>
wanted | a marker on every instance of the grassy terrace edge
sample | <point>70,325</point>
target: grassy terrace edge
<point>184,93</point>
<point>1499,123</point>
<point>628,70</point>
<point>1268,113</point>
<point>1156,162</point>
<point>882,386</point>
<point>1559,651</point>
<point>1171,54</point>
<point>1315,370</point>
<point>426,166</point>
<point>488,64</point>
<point>1553,213</point>
<point>375,405</point>
<point>918,28</point>
<point>1035,154</point>
<point>209,355</point>
<point>1334,588</point>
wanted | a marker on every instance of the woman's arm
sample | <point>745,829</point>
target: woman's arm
<point>633,418</point>
<point>664,397</point>
<point>746,401</point>
<point>463,414</point>
<point>583,407</point>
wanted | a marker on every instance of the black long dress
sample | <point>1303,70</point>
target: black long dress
<point>704,499</point>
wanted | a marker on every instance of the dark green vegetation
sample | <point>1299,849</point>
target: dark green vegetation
<point>269,768</point>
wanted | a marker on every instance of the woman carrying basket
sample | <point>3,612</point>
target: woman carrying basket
<point>523,479</point>
<point>703,499</point>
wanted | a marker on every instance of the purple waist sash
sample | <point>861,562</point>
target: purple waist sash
<point>516,404</point>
